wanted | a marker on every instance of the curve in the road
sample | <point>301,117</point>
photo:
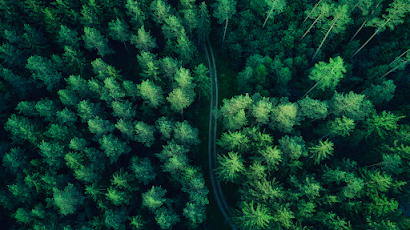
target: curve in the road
<point>216,187</point>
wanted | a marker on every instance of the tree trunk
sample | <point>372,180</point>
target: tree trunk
<point>323,41</point>
<point>401,55</point>
<point>125,45</point>
<point>226,26</point>
<point>368,40</point>
<point>361,27</point>
<point>318,17</point>
<point>391,70</point>
<point>269,14</point>
<point>317,4</point>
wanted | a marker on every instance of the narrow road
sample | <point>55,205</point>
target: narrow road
<point>216,186</point>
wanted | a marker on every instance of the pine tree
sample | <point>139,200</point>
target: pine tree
<point>119,31</point>
<point>169,67</point>
<point>327,75</point>
<point>166,218</point>
<point>43,69</point>
<point>149,64</point>
<point>253,216</point>
<point>94,40</point>
<point>181,99</point>
<point>123,110</point>
<point>284,116</point>
<point>74,59</point>
<point>202,80</point>
<point>320,15</point>
<point>113,147</point>
<point>35,40</point>
<point>115,219</point>
<point>67,200</point>
<point>172,28</point>
<point>234,141</point>
<point>160,10</point>
<point>15,160</point>
<point>145,133</point>
<point>153,198</point>
<point>143,169</point>
<point>312,108</point>
<point>134,12</point>
<point>184,48</point>
<point>204,22</point>
<point>27,108</point>
<point>321,151</point>
<point>99,126</point>
<point>151,93</point>
<point>261,110</point>
<point>190,20</point>
<point>143,41</point>
<point>352,105</point>
<point>380,124</point>
<point>185,134</point>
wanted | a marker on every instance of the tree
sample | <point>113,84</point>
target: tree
<point>53,154</point>
<point>20,85</point>
<point>230,167</point>
<point>160,10</point>
<point>27,108</point>
<point>272,157</point>
<point>151,93</point>
<point>153,198</point>
<point>202,81</point>
<point>261,110</point>
<point>352,105</point>
<point>399,63</point>
<point>94,40</point>
<point>276,7</point>
<point>327,75</point>
<point>293,147</point>
<point>340,20</point>
<point>74,59</point>
<point>165,127</point>
<point>43,69</point>
<point>224,11</point>
<point>195,213</point>
<point>143,169</point>
<point>380,124</point>
<point>131,89</point>
<point>117,197</point>
<point>284,116</point>
<point>22,128</point>
<point>340,127</point>
<point>149,65</point>
<point>234,141</point>
<point>134,12</point>
<point>123,110</point>
<point>249,217</point>
<point>321,151</point>
<point>99,126</point>
<point>46,108</point>
<point>59,132</point>
<point>185,134</point>
<point>184,48</point>
<point>172,28</point>
<point>204,22</point>
<point>181,99</point>
<point>143,41</point>
<point>113,147</point>
<point>320,16</point>
<point>137,223</point>
<point>88,110</point>
<point>35,40</point>
<point>52,20</point>
<point>190,20</point>
<point>145,133</point>
<point>166,218</point>
<point>119,31</point>
<point>67,200</point>
<point>79,85</point>
<point>12,56</point>
<point>15,160</point>
<point>169,67</point>
<point>398,9</point>
<point>115,219</point>
<point>312,108</point>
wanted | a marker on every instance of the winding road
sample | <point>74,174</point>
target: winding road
<point>216,186</point>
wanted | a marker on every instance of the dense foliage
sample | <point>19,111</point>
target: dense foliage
<point>99,100</point>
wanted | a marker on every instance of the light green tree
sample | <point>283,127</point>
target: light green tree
<point>181,99</point>
<point>94,40</point>
<point>380,124</point>
<point>143,41</point>
<point>253,216</point>
<point>276,7</point>
<point>145,133</point>
<point>327,75</point>
<point>44,70</point>
<point>185,134</point>
<point>321,151</point>
<point>151,93</point>
<point>154,198</point>
<point>231,167</point>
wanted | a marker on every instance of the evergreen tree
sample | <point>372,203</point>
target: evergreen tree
<point>351,105</point>
<point>145,133</point>
<point>143,41</point>
<point>327,75</point>
<point>151,93</point>
<point>204,22</point>
<point>113,147</point>
<point>172,28</point>
<point>153,198</point>
<point>94,40</point>
<point>119,31</point>
<point>74,59</point>
<point>67,200</point>
<point>181,99</point>
<point>321,151</point>
<point>253,216</point>
<point>149,65</point>
<point>143,169</point>
<point>186,134</point>
<point>166,218</point>
<point>202,80</point>
<point>184,48</point>
<point>381,124</point>
<point>230,167</point>
<point>160,10</point>
<point>136,15</point>
<point>284,116</point>
<point>43,69</point>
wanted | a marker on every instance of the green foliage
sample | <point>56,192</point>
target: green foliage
<point>180,99</point>
<point>137,223</point>
<point>145,133</point>
<point>202,80</point>
<point>153,198</point>
<point>380,93</point>
<point>204,22</point>
<point>117,197</point>
<point>143,41</point>
<point>94,40</point>
<point>68,200</point>
<point>166,218</point>
<point>43,69</point>
<point>328,75</point>
<point>143,169</point>
<point>68,37</point>
<point>230,167</point>
<point>74,59</point>
<point>27,108</point>
<point>160,11</point>
<point>352,105</point>
<point>149,64</point>
<point>165,127</point>
<point>123,110</point>
<point>261,110</point>
<point>119,30</point>
<point>99,126</point>
<point>15,160</point>
<point>234,141</point>
<point>21,128</point>
<point>58,132</point>
<point>341,126</point>
<point>151,93</point>
<point>293,147</point>
<point>321,151</point>
<point>113,147</point>
<point>312,108</point>
<point>272,157</point>
<point>253,218</point>
<point>184,48</point>
<point>380,124</point>
<point>186,134</point>
<point>53,153</point>
<point>233,111</point>
<point>115,219</point>
<point>284,116</point>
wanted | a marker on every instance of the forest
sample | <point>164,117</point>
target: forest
<point>205,114</point>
